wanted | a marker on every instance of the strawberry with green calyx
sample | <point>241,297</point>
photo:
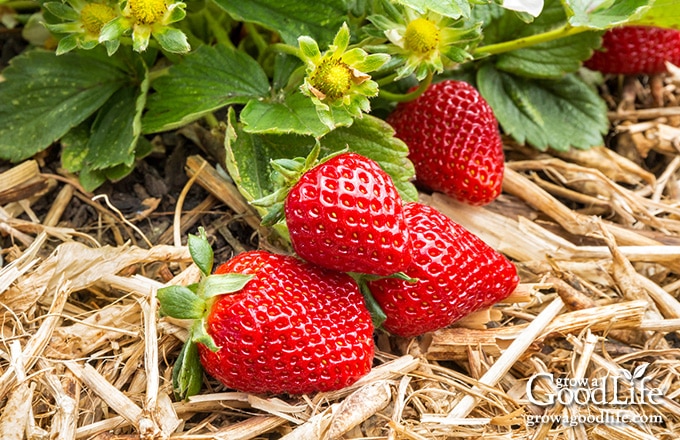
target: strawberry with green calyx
<point>286,172</point>
<point>344,213</point>
<point>454,142</point>
<point>295,328</point>
<point>292,328</point>
<point>634,50</point>
<point>453,273</point>
<point>193,302</point>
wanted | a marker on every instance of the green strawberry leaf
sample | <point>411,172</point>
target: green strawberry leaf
<point>44,96</point>
<point>180,302</point>
<point>295,114</point>
<point>374,138</point>
<point>74,147</point>
<point>603,14</point>
<point>116,130</point>
<point>292,18</point>
<point>560,113</point>
<point>206,80</point>
<point>287,69</point>
<point>201,251</point>
<point>551,59</point>
<point>226,283</point>
<point>115,141</point>
<point>501,25</point>
<point>249,155</point>
<point>91,178</point>
<point>247,160</point>
<point>187,373</point>
<point>548,59</point>
<point>448,8</point>
<point>662,13</point>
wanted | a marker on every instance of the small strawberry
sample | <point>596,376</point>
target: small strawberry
<point>632,50</point>
<point>284,326</point>
<point>346,214</point>
<point>454,143</point>
<point>456,272</point>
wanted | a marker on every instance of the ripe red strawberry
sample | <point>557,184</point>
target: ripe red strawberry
<point>294,328</point>
<point>346,214</point>
<point>454,143</point>
<point>632,50</point>
<point>457,273</point>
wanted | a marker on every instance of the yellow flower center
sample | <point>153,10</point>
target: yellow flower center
<point>421,36</point>
<point>147,11</point>
<point>333,78</point>
<point>95,15</point>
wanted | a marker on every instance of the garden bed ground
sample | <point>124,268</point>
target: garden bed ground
<point>595,235</point>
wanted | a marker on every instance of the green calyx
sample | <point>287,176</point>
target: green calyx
<point>286,172</point>
<point>193,302</point>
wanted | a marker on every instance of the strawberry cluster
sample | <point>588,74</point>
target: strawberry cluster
<point>269,323</point>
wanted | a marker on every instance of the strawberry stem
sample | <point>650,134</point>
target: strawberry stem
<point>410,96</point>
<point>287,49</point>
<point>520,43</point>
<point>257,38</point>
<point>377,314</point>
<point>389,79</point>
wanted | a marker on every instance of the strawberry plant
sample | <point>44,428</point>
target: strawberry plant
<point>293,74</point>
<point>301,91</point>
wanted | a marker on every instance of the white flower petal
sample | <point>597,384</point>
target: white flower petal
<point>533,7</point>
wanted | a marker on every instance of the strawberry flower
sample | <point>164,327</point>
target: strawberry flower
<point>149,18</point>
<point>83,22</point>
<point>337,79</point>
<point>424,43</point>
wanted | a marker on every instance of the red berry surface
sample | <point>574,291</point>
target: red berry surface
<point>457,274</point>
<point>294,328</point>
<point>632,50</point>
<point>346,214</point>
<point>454,143</point>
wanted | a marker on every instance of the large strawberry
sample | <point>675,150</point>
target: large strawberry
<point>456,273</point>
<point>632,50</point>
<point>454,143</point>
<point>346,214</point>
<point>284,326</point>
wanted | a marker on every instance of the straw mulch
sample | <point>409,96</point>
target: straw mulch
<point>595,235</point>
